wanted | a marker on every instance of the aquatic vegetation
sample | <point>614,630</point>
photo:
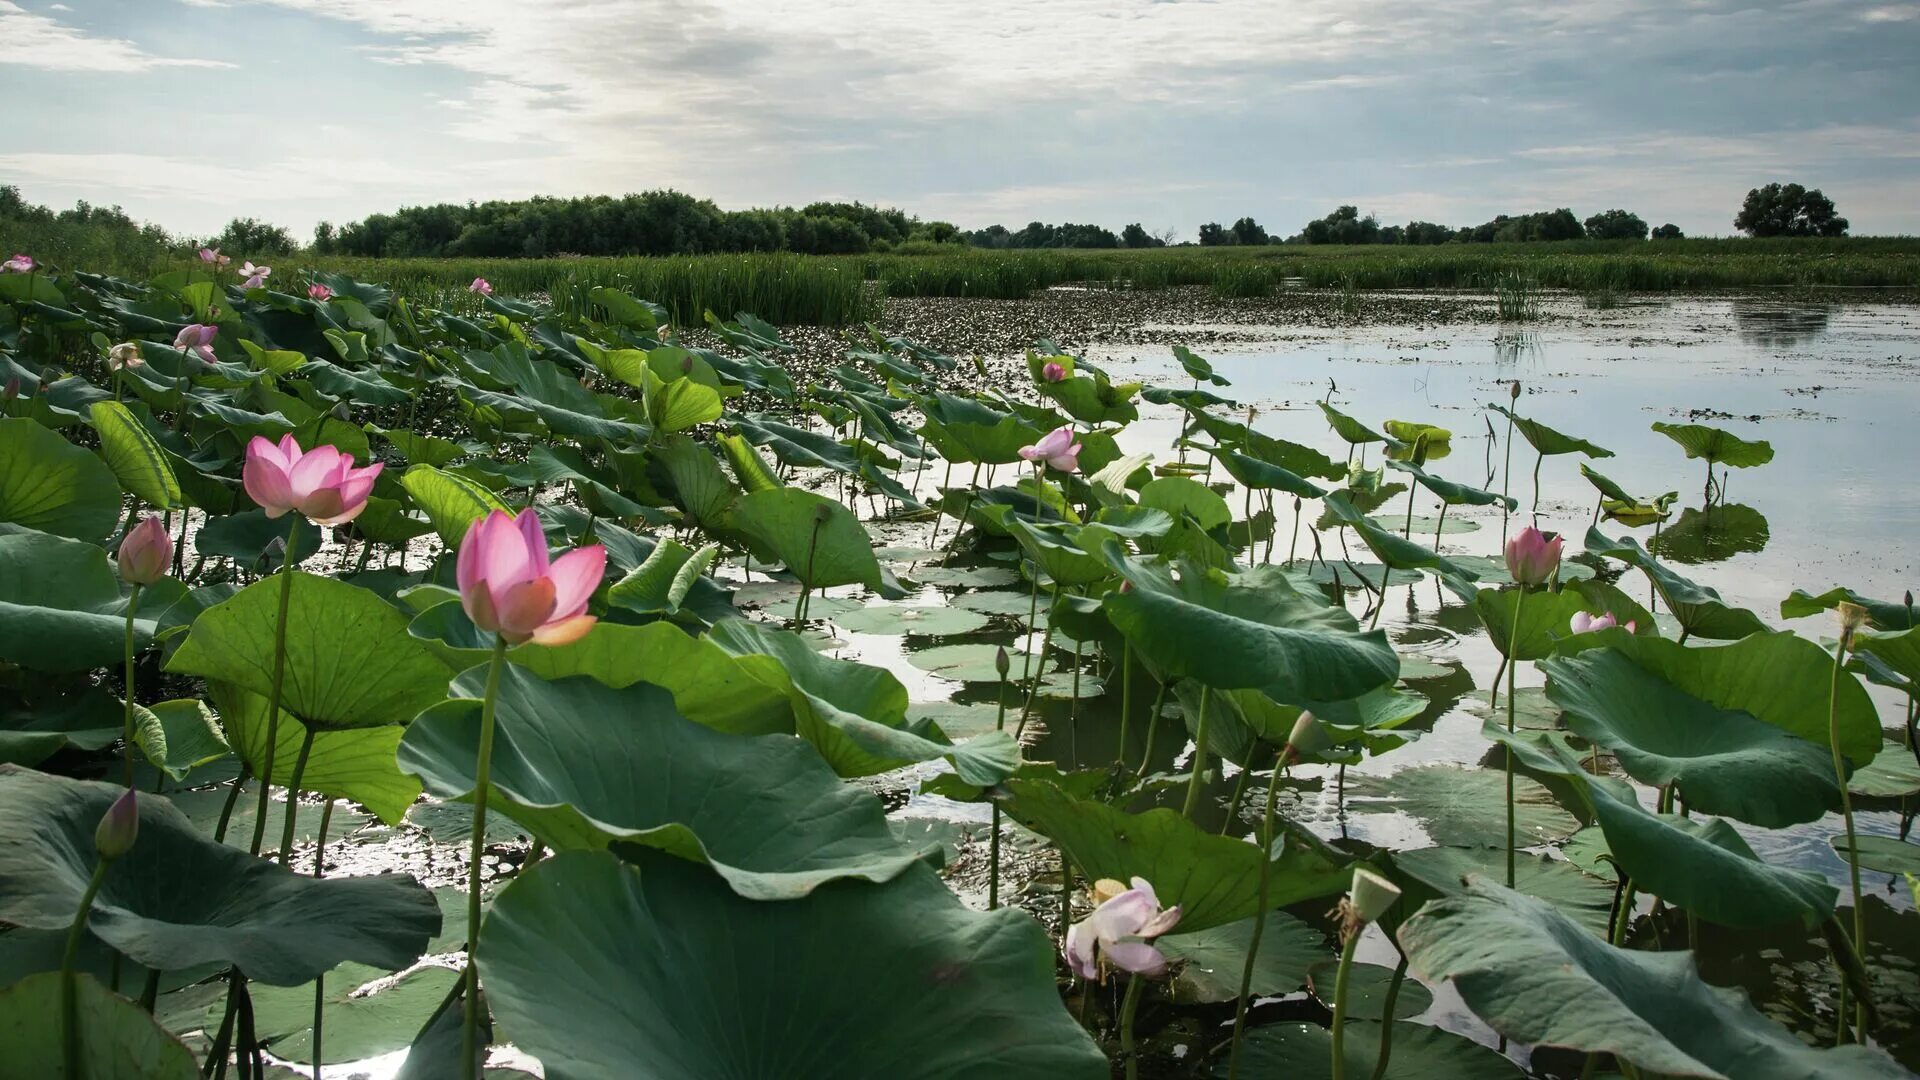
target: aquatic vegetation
<point>497,669</point>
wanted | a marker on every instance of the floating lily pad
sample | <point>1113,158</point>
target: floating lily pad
<point>901,619</point>
<point>1893,774</point>
<point>1422,523</point>
<point>1213,961</point>
<point>1350,575</point>
<point>964,577</point>
<point>1464,807</point>
<point>1887,854</point>
<point>1302,1051</point>
<point>362,1017</point>
<point>1003,602</point>
<point>975,662</point>
<point>1367,986</point>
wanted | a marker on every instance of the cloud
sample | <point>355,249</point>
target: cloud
<point>39,41</point>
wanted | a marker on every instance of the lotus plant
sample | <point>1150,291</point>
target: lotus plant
<point>256,276</point>
<point>1369,898</point>
<point>197,339</point>
<point>1053,372</point>
<point>1852,618</point>
<point>115,835</point>
<point>481,286</point>
<point>19,264</point>
<point>1533,559</point>
<point>1055,450</point>
<point>212,257</point>
<point>510,587</point>
<point>143,557</point>
<point>1119,935</point>
<point>1586,622</point>
<point>319,293</point>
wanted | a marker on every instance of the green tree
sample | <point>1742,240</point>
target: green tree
<point>1616,225</point>
<point>1669,231</point>
<point>246,237</point>
<point>1212,235</point>
<point>1789,210</point>
<point>1136,236</point>
<point>1247,232</point>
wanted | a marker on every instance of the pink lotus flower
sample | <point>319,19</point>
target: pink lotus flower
<point>145,552</point>
<point>508,586</point>
<point>1120,932</point>
<point>1532,558</point>
<point>482,286</point>
<point>1584,623</point>
<point>256,275</point>
<point>119,827</point>
<point>1053,372</point>
<point>321,483</point>
<point>1056,448</point>
<point>19,264</point>
<point>212,257</point>
<point>197,338</point>
<point>317,291</point>
<point>124,355</point>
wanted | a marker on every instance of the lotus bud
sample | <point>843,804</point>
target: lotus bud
<point>1370,896</point>
<point>145,552</point>
<point>319,292</point>
<point>1852,618</point>
<point>1296,504</point>
<point>1053,372</point>
<point>1533,557</point>
<point>1001,663</point>
<point>118,827</point>
<point>1307,737</point>
<point>1513,391</point>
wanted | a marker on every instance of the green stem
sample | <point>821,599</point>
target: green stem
<point>1513,646</point>
<point>1260,922</point>
<point>1126,699</point>
<point>233,796</point>
<point>1386,1019</point>
<point>133,604</point>
<point>320,981</point>
<point>1199,757</point>
<point>1506,475</point>
<point>1128,1008</point>
<point>993,842</point>
<point>1625,911</point>
<point>1340,1006</point>
<point>1153,728</point>
<point>279,679</point>
<point>69,982</point>
<point>1846,811</point>
<point>293,796</point>
<point>470,1024</point>
<point>1033,684</point>
<point>1233,801</point>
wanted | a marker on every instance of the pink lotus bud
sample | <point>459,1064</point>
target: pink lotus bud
<point>482,286</point>
<point>509,586</point>
<point>1583,623</point>
<point>1057,449</point>
<point>19,264</point>
<point>145,552</point>
<point>1532,557</point>
<point>319,292</point>
<point>320,483</point>
<point>119,827</point>
<point>1053,372</point>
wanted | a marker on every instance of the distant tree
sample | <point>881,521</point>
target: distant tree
<point>940,232</point>
<point>1248,232</point>
<point>1166,237</point>
<point>1212,235</point>
<point>1426,232</point>
<point>1616,225</point>
<point>1343,226</point>
<point>1789,210</point>
<point>247,237</point>
<point>1669,231</point>
<point>1135,236</point>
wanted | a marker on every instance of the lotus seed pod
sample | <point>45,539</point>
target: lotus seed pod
<point>1371,895</point>
<point>1106,889</point>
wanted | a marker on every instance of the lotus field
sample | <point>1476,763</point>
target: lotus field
<point>400,690</point>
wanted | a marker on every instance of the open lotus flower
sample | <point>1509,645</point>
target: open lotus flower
<point>1532,558</point>
<point>145,552</point>
<point>212,257</point>
<point>256,275</point>
<point>124,355</point>
<point>321,483</point>
<point>197,338</point>
<point>482,286</point>
<point>1120,931</point>
<point>317,291</point>
<point>508,586</point>
<point>1056,448</point>
<point>1584,623</point>
<point>1053,372</point>
<point>19,264</point>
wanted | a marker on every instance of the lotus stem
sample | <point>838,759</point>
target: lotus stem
<point>470,1023</point>
<point>1293,545</point>
<point>69,982</point>
<point>1386,1018</point>
<point>1260,918</point>
<point>1033,684</point>
<point>293,797</point>
<point>1623,912</point>
<point>1233,801</point>
<point>1066,895</point>
<point>1513,664</point>
<point>1128,1008</point>
<point>993,841</point>
<point>233,796</point>
<point>273,699</point>
<point>1440,527</point>
<point>1153,728</point>
<point>1506,476</point>
<point>1199,757</point>
<point>1126,699</point>
<point>1537,462</point>
<point>1846,811</point>
<point>133,604</point>
<point>1033,616</point>
<point>1340,1005</point>
<point>320,981</point>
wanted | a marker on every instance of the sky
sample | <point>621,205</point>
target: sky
<point>1165,112</point>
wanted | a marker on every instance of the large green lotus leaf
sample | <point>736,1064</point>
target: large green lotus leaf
<point>797,446</point>
<point>1699,608</point>
<point>1608,489</point>
<point>1301,1051</point>
<point>680,403</point>
<point>1265,476</point>
<point>819,541</point>
<point>1717,446</point>
<point>46,715</point>
<point>893,619</point>
<point>1064,553</point>
<point>49,484</point>
<point>118,1040</point>
<point>1893,774</point>
<point>1899,650</point>
<point>601,969</point>
<point>1887,854</point>
<point>246,537</point>
<point>1726,762</point>
<point>1211,962</point>
<point>1546,440</point>
<point>1451,493</point>
<point>1881,614</point>
<point>350,661</point>
<point>1178,495</point>
<point>572,413</point>
<point>1428,873</point>
<point>1259,635</point>
<point>354,763</point>
<point>1215,879</point>
<point>1353,431</point>
<point>134,456</point>
<point>583,765</point>
<point>1198,367</point>
<point>61,607</point>
<point>356,1025</point>
<point>190,737</point>
<point>1545,619</point>
<point>452,502</point>
<point>1464,807</point>
<point>1537,977</point>
<point>178,900</point>
<point>1778,678</point>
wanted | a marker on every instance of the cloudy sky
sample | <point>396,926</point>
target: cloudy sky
<point>1167,112</point>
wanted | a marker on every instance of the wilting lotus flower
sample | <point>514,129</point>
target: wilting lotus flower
<point>124,355</point>
<point>212,257</point>
<point>317,291</point>
<point>321,483</point>
<point>1532,558</point>
<point>1584,623</point>
<point>19,264</point>
<point>482,286</point>
<point>1120,931</point>
<point>256,275</point>
<point>197,338</point>
<point>118,827</point>
<point>1053,372</point>
<point>1056,448</point>
<point>508,586</point>
<point>145,552</point>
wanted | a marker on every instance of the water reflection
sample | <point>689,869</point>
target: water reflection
<point>1713,534</point>
<point>1768,325</point>
<point>1516,347</point>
